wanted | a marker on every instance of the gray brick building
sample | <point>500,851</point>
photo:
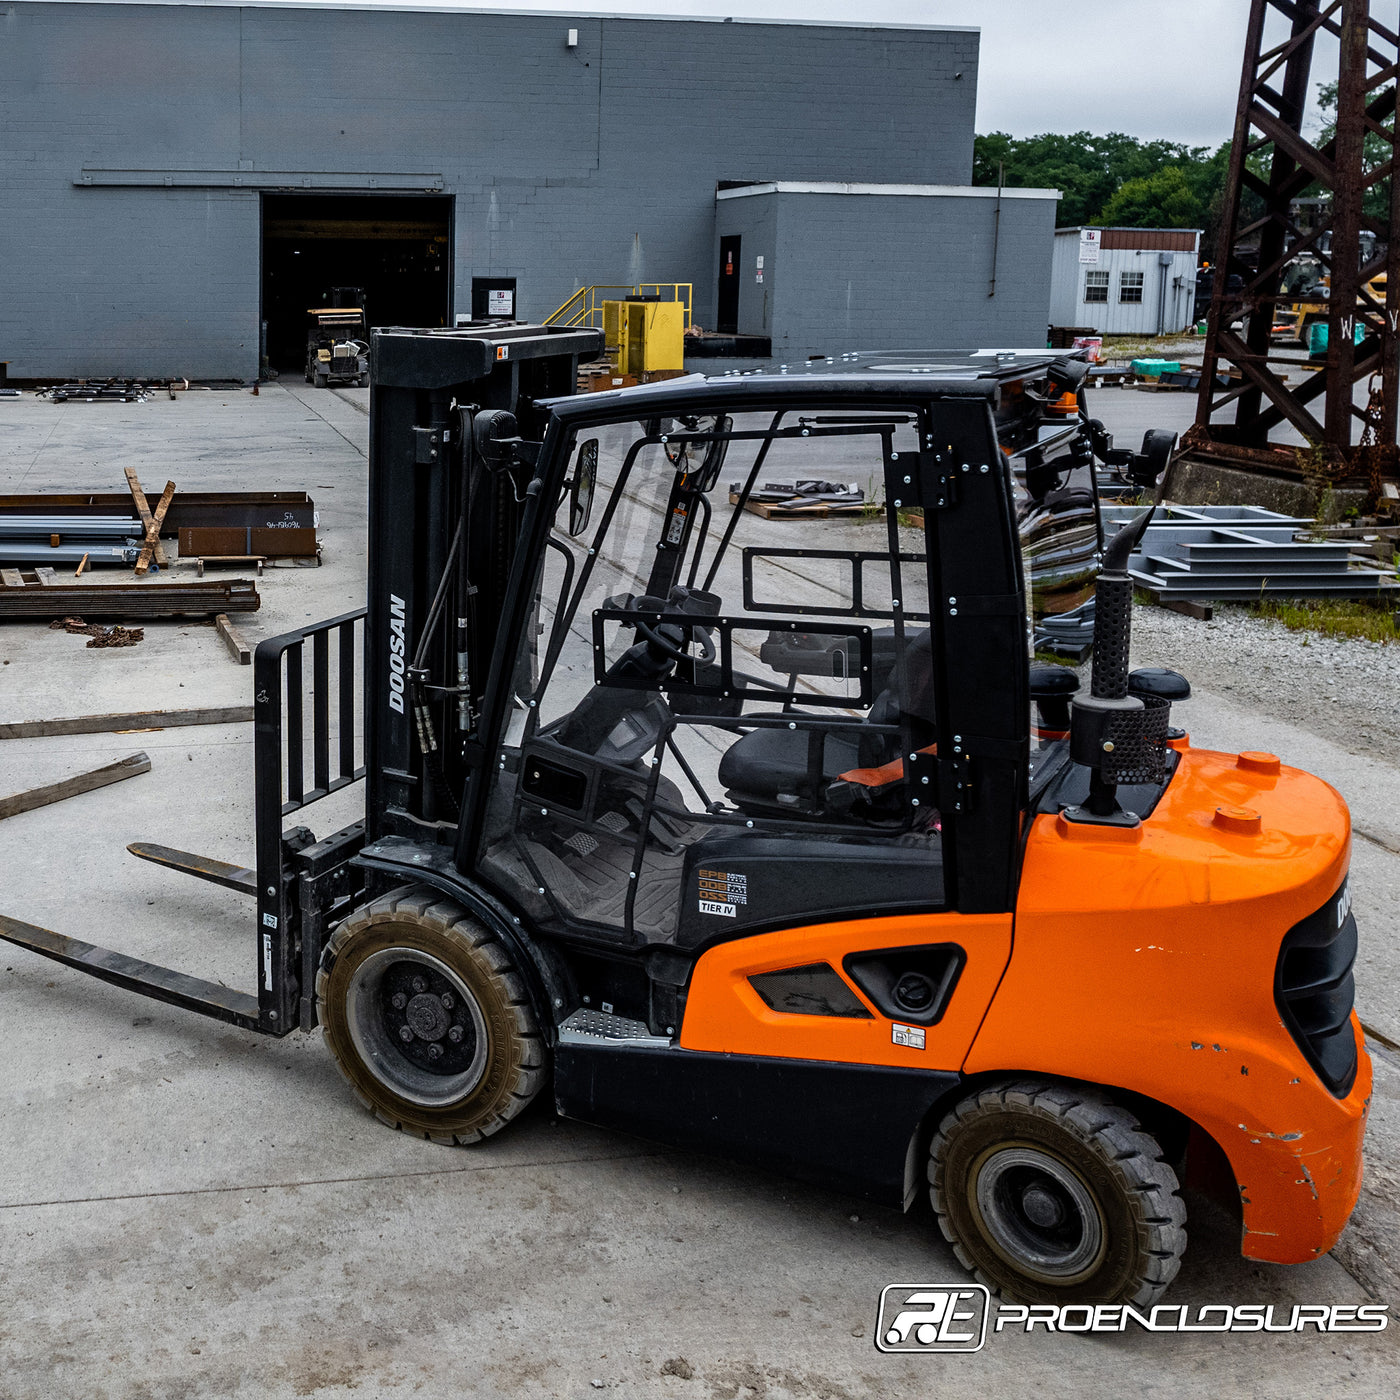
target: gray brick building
<point>174,175</point>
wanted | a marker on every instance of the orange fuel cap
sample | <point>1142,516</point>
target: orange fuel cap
<point>1255,761</point>
<point>1243,821</point>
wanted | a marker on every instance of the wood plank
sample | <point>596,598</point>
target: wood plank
<point>128,600</point>
<point>116,772</point>
<point>11,578</point>
<point>82,564</point>
<point>143,509</point>
<point>1189,607</point>
<point>115,724</point>
<point>46,576</point>
<point>152,543</point>
<point>233,640</point>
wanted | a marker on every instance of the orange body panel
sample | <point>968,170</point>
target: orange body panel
<point>1145,960</point>
<point>724,1013</point>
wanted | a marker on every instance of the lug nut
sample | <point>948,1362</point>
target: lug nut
<point>435,1052</point>
<point>419,985</point>
<point>455,1034</point>
<point>405,1034</point>
<point>398,1001</point>
<point>447,1000</point>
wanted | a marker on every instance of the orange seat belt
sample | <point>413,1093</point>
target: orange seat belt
<point>886,773</point>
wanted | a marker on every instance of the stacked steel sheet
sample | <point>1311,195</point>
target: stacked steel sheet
<point>30,539</point>
<point>1204,552</point>
<point>1069,634</point>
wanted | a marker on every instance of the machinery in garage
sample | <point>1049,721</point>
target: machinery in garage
<point>770,840</point>
<point>336,349</point>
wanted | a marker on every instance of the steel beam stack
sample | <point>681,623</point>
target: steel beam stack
<point>67,539</point>
<point>1244,552</point>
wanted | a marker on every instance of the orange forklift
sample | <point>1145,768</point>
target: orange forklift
<point>765,836</point>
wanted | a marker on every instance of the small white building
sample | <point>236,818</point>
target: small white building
<point>1124,281</point>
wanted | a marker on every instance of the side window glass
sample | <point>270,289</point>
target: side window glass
<point>731,710</point>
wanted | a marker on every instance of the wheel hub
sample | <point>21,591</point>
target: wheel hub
<point>1041,1207</point>
<point>426,1017</point>
<point>416,1023</point>
<point>1038,1213</point>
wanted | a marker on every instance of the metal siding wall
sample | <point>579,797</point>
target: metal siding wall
<point>859,272</point>
<point>1064,280</point>
<point>122,281</point>
<point>592,165</point>
<point>1068,307</point>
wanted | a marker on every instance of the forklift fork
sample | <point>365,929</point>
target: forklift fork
<point>301,885</point>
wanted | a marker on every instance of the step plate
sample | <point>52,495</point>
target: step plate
<point>589,1027</point>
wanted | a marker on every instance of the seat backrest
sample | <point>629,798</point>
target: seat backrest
<point>909,694</point>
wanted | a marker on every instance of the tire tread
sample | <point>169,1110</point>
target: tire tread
<point>529,1069</point>
<point>1116,1136</point>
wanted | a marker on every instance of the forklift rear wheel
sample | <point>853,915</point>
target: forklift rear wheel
<point>428,1019</point>
<point>1051,1193</point>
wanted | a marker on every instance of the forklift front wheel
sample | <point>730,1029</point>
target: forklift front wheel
<point>1051,1193</point>
<point>428,1019</point>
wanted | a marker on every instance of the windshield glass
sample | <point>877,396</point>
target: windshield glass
<point>1058,523</point>
<point>730,675</point>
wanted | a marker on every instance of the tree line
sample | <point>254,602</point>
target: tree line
<point>1113,180</point>
<point>1118,181</point>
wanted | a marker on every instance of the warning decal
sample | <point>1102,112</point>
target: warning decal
<point>720,890</point>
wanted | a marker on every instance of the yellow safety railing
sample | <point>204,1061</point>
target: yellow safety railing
<point>585,307</point>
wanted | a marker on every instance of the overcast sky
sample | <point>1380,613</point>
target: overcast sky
<point>1149,69</point>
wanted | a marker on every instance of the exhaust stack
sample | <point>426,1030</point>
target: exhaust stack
<point>1109,728</point>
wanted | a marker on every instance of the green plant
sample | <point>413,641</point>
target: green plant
<point>1372,621</point>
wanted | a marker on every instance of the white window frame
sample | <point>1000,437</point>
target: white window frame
<point>1091,276</point>
<point>1126,284</point>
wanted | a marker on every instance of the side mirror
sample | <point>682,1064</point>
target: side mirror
<point>581,487</point>
<point>715,451</point>
<point>681,454</point>
<point>1066,376</point>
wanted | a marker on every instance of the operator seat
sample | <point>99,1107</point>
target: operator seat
<point>770,769</point>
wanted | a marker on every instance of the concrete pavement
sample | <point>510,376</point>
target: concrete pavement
<point>186,1210</point>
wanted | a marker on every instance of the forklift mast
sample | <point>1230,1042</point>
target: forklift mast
<point>431,627</point>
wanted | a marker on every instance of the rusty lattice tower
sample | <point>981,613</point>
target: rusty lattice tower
<point>1271,165</point>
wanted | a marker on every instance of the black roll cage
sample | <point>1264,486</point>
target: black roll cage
<point>962,479</point>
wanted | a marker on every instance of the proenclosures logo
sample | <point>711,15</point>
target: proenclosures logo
<point>940,1317</point>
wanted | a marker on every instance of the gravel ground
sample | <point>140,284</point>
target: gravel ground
<point>1345,689</point>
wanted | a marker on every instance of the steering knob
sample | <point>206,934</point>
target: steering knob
<point>694,632</point>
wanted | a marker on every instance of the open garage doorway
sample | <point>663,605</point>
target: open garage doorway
<point>396,247</point>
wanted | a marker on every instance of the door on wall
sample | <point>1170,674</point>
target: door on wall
<point>727,314</point>
<point>394,248</point>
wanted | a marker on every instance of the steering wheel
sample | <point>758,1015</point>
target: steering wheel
<point>669,648</point>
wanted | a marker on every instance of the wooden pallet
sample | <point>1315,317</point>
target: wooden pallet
<point>818,510</point>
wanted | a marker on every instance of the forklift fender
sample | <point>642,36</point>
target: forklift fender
<point>1150,958</point>
<point>544,973</point>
